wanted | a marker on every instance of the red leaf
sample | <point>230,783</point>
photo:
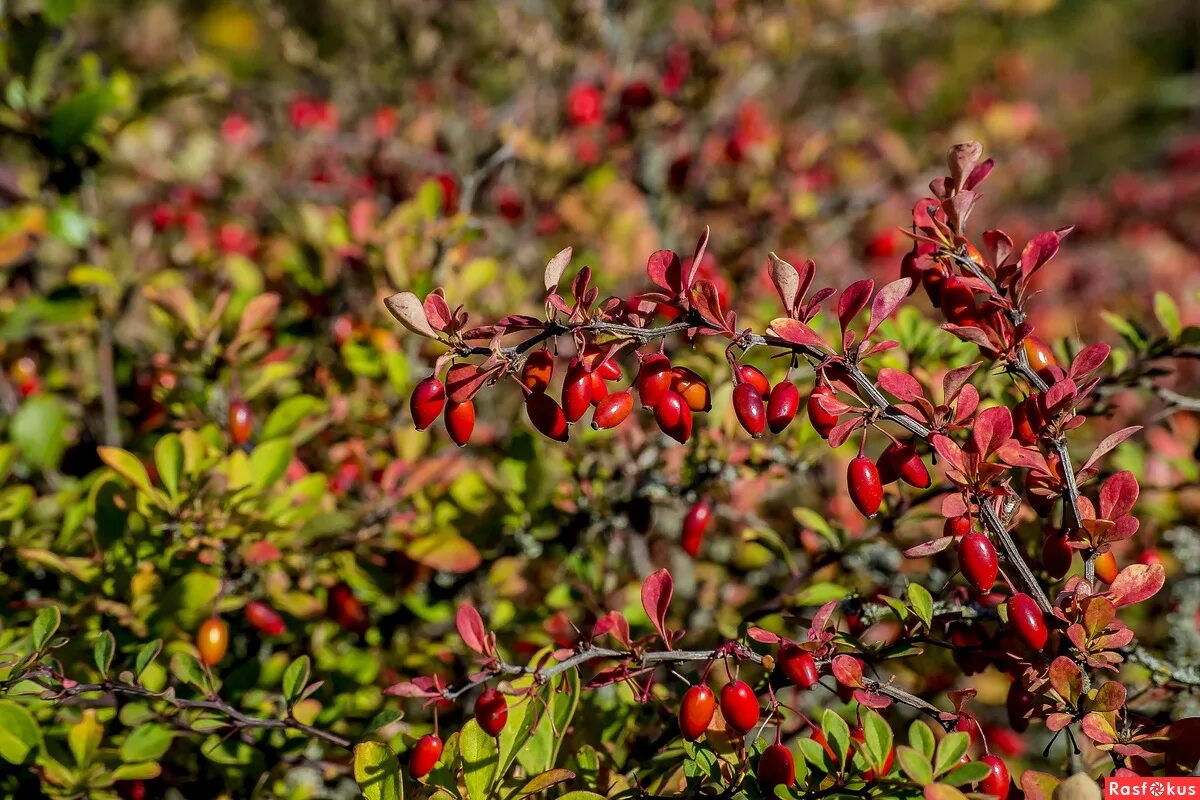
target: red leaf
<point>949,451</point>
<point>664,269</point>
<point>409,689</point>
<point>464,380</point>
<point>999,245</point>
<point>613,623</point>
<point>1038,785</point>
<point>708,303</point>
<point>690,275</point>
<point>900,385</point>
<point>872,700</point>
<point>854,298</point>
<point>797,332</point>
<point>656,599</point>
<point>955,380</point>
<point>929,548</point>
<point>1089,360</point>
<point>839,433</point>
<point>847,670</point>
<point>555,268</point>
<point>1066,678</point>
<point>973,335</point>
<point>766,637</point>
<point>1111,441</point>
<point>470,628</point>
<point>1098,729</point>
<point>1038,251</point>
<point>887,301</point>
<point>993,427</point>
<point>1117,495</point>
<point>787,282</point>
<point>820,620</point>
<point>979,173</point>
<point>1136,583</point>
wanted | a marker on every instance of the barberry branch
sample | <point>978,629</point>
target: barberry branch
<point>59,689</point>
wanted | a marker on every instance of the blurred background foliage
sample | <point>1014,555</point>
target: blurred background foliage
<point>206,202</point>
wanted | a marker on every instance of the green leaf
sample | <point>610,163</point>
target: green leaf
<point>479,760</point>
<point>127,465</point>
<point>815,754</point>
<point>922,603</point>
<point>581,796</point>
<point>1167,313</point>
<point>940,791</point>
<point>915,765</point>
<point>186,668</point>
<point>820,593</point>
<point>269,462</point>
<point>295,678</point>
<point>920,737</point>
<point>39,430</point>
<point>1123,327</point>
<point>84,737</point>
<point>377,772</point>
<point>58,12</point>
<point>145,656</point>
<point>20,736</point>
<point>971,772</point>
<point>549,778</point>
<point>837,733</point>
<point>168,460</point>
<point>103,650</point>
<point>74,118</point>
<point>877,738</point>
<point>147,742</point>
<point>384,718</point>
<point>950,749</point>
<point>289,414</point>
<point>45,625</point>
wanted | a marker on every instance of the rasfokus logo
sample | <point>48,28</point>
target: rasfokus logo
<point>1151,787</point>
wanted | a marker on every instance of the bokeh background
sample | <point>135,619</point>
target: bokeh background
<point>165,166</point>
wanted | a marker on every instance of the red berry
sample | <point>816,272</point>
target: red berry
<point>264,618</point>
<point>609,370</point>
<point>1151,558</point>
<point>755,377</point>
<point>821,419</point>
<point>782,406</point>
<point>1040,356</point>
<point>131,790</point>
<point>902,459</point>
<point>347,610</point>
<point>538,370</point>
<point>1106,567</point>
<point>958,301</point>
<point>212,640</point>
<point>1027,421</point>
<point>776,767</point>
<point>693,388</point>
<point>599,388</point>
<point>1026,619</point>
<point>977,560</point>
<point>866,490</point>
<point>748,405</point>
<point>653,379</point>
<point>427,402</point>
<point>1057,553</point>
<point>460,421</point>
<point>696,711</point>
<point>241,421</point>
<point>576,392</point>
<point>739,706</point>
<point>798,666</point>
<point>957,526</point>
<point>585,104</point>
<point>491,712</point>
<point>996,782</point>
<point>694,525</point>
<point>673,416</point>
<point>612,410</point>
<point>546,416</point>
<point>425,755</point>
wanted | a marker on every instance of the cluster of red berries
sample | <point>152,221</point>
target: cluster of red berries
<point>491,713</point>
<point>674,394</point>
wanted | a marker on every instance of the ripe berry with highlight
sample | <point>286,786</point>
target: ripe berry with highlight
<point>978,561</point>
<point>491,712</point>
<point>739,706</point>
<point>696,711</point>
<point>425,755</point>
<point>427,401</point>
<point>866,490</point>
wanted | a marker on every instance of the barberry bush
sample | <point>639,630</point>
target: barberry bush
<point>319,481</point>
